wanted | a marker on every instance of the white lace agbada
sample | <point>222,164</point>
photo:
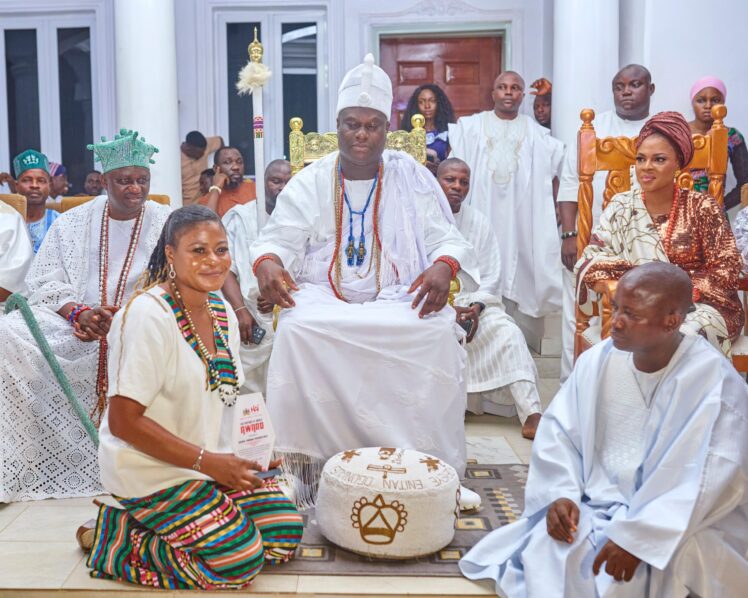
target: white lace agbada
<point>46,452</point>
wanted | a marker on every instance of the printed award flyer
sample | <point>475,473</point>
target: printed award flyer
<point>253,436</point>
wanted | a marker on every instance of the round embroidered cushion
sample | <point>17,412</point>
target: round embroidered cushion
<point>388,502</point>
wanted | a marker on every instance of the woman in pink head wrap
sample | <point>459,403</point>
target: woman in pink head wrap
<point>705,93</point>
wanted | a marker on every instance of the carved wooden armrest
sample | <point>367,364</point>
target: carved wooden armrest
<point>605,289</point>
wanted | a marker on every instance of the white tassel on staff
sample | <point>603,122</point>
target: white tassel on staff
<point>252,78</point>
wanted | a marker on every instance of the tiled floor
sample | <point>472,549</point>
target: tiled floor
<point>39,556</point>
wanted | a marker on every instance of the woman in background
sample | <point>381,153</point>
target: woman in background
<point>705,93</point>
<point>430,101</point>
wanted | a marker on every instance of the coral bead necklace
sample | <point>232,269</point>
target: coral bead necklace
<point>671,219</point>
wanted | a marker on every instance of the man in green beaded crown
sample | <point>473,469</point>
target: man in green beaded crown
<point>86,268</point>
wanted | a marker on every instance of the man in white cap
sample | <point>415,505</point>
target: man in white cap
<point>359,253</point>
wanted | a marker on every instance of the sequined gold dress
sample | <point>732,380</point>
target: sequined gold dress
<point>701,243</point>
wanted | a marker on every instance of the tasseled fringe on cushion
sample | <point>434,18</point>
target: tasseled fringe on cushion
<point>253,76</point>
<point>302,473</point>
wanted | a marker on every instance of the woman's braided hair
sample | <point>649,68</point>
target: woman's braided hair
<point>444,112</point>
<point>176,223</point>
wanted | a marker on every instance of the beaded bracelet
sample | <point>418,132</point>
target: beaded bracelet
<point>76,312</point>
<point>259,260</point>
<point>197,465</point>
<point>453,264</point>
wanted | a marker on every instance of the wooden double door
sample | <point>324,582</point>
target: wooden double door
<point>464,67</point>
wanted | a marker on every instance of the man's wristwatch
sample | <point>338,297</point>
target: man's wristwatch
<point>568,234</point>
<point>480,304</point>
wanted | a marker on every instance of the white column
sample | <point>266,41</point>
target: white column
<point>146,71</point>
<point>585,59</point>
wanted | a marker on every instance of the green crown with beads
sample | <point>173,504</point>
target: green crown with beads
<point>126,149</point>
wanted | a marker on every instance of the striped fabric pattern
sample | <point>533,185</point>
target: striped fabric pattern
<point>195,535</point>
<point>222,359</point>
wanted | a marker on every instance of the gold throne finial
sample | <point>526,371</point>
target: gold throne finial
<point>255,49</point>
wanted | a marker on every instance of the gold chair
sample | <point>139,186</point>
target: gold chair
<point>616,155</point>
<point>15,201</point>
<point>68,203</point>
<point>305,148</point>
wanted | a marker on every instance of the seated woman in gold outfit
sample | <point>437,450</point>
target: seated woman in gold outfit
<point>661,222</point>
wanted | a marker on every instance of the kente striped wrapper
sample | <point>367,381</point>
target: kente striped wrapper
<point>195,535</point>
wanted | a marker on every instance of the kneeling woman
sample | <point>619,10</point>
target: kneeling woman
<point>194,516</point>
<point>663,223</point>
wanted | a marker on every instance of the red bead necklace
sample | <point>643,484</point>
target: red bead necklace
<point>335,263</point>
<point>102,384</point>
<point>671,219</point>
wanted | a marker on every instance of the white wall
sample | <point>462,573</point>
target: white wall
<point>682,40</point>
<point>352,32</point>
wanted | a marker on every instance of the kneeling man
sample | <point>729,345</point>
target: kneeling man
<point>368,355</point>
<point>500,369</point>
<point>639,473</point>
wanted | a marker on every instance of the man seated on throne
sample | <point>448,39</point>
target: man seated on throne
<point>360,252</point>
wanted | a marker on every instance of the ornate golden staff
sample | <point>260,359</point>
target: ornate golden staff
<point>252,78</point>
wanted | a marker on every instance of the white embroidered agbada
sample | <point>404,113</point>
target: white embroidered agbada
<point>657,463</point>
<point>607,124</point>
<point>512,165</point>
<point>500,370</point>
<point>366,373</point>
<point>46,452</point>
<point>241,229</point>
<point>16,252</point>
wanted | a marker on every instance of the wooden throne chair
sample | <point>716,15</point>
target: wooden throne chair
<point>616,156</point>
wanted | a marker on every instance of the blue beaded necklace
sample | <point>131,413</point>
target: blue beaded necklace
<point>351,254</point>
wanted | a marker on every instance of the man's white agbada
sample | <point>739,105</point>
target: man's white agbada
<point>45,451</point>
<point>655,462</point>
<point>366,86</point>
<point>513,164</point>
<point>362,372</point>
<point>16,252</point>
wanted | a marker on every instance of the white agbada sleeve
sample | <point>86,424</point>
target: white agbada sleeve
<point>16,252</point>
<point>477,231</point>
<point>556,466</point>
<point>568,187</point>
<point>292,224</point>
<point>240,223</point>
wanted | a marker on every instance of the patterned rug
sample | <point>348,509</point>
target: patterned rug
<point>501,488</point>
